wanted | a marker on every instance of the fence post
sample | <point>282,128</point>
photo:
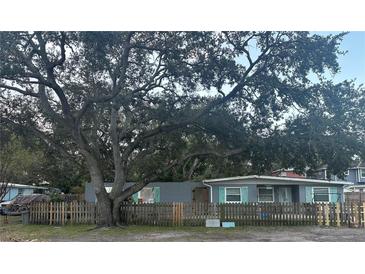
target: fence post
<point>358,214</point>
<point>30,214</point>
<point>319,214</point>
<point>50,213</point>
<point>363,215</point>
<point>173,214</point>
<point>177,214</point>
<point>338,218</point>
<point>354,214</point>
<point>62,213</point>
<point>182,214</point>
<point>327,215</point>
<point>222,212</point>
<point>71,211</point>
<point>359,207</point>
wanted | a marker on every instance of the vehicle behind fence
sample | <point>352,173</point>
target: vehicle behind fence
<point>195,214</point>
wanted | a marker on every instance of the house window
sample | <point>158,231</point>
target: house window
<point>146,195</point>
<point>321,194</point>
<point>347,173</point>
<point>233,194</point>
<point>266,194</point>
<point>20,191</point>
<point>362,173</point>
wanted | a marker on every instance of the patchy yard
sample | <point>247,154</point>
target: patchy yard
<point>15,231</point>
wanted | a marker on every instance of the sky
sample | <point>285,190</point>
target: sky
<point>353,62</point>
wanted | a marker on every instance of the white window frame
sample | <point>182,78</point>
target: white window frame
<point>265,187</point>
<point>328,190</point>
<point>361,172</point>
<point>347,172</point>
<point>225,195</point>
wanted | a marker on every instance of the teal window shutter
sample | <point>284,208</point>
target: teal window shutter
<point>244,194</point>
<point>221,195</point>
<point>333,195</point>
<point>308,194</point>
<point>135,197</point>
<point>156,194</point>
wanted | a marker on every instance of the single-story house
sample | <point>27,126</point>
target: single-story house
<point>14,190</point>
<point>242,189</point>
<point>257,188</point>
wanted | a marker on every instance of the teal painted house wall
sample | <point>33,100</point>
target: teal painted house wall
<point>300,193</point>
<point>248,193</point>
<point>336,194</point>
<point>243,191</point>
<point>182,191</point>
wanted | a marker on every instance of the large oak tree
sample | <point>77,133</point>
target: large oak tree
<point>117,98</point>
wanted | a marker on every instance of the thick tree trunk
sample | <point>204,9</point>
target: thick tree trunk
<point>104,203</point>
<point>122,197</point>
<point>104,207</point>
<point>108,205</point>
<point>116,210</point>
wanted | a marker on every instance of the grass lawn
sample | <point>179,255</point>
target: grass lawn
<point>15,231</point>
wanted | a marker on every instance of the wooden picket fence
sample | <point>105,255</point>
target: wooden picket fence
<point>195,214</point>
<point>252,214</point>
<point>62,213</point>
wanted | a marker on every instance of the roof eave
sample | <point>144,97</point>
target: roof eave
<point>274,178</point>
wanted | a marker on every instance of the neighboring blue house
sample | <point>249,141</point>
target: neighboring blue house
<point>238,190</point>
<point>355,174</point>
<point>14,190</point>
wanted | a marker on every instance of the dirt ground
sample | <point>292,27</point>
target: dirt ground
<point>251,234</point>
<point>15,231</point>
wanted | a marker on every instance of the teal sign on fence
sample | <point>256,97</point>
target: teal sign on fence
<point>228,224</point>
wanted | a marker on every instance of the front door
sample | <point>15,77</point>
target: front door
<point>285,195</point>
